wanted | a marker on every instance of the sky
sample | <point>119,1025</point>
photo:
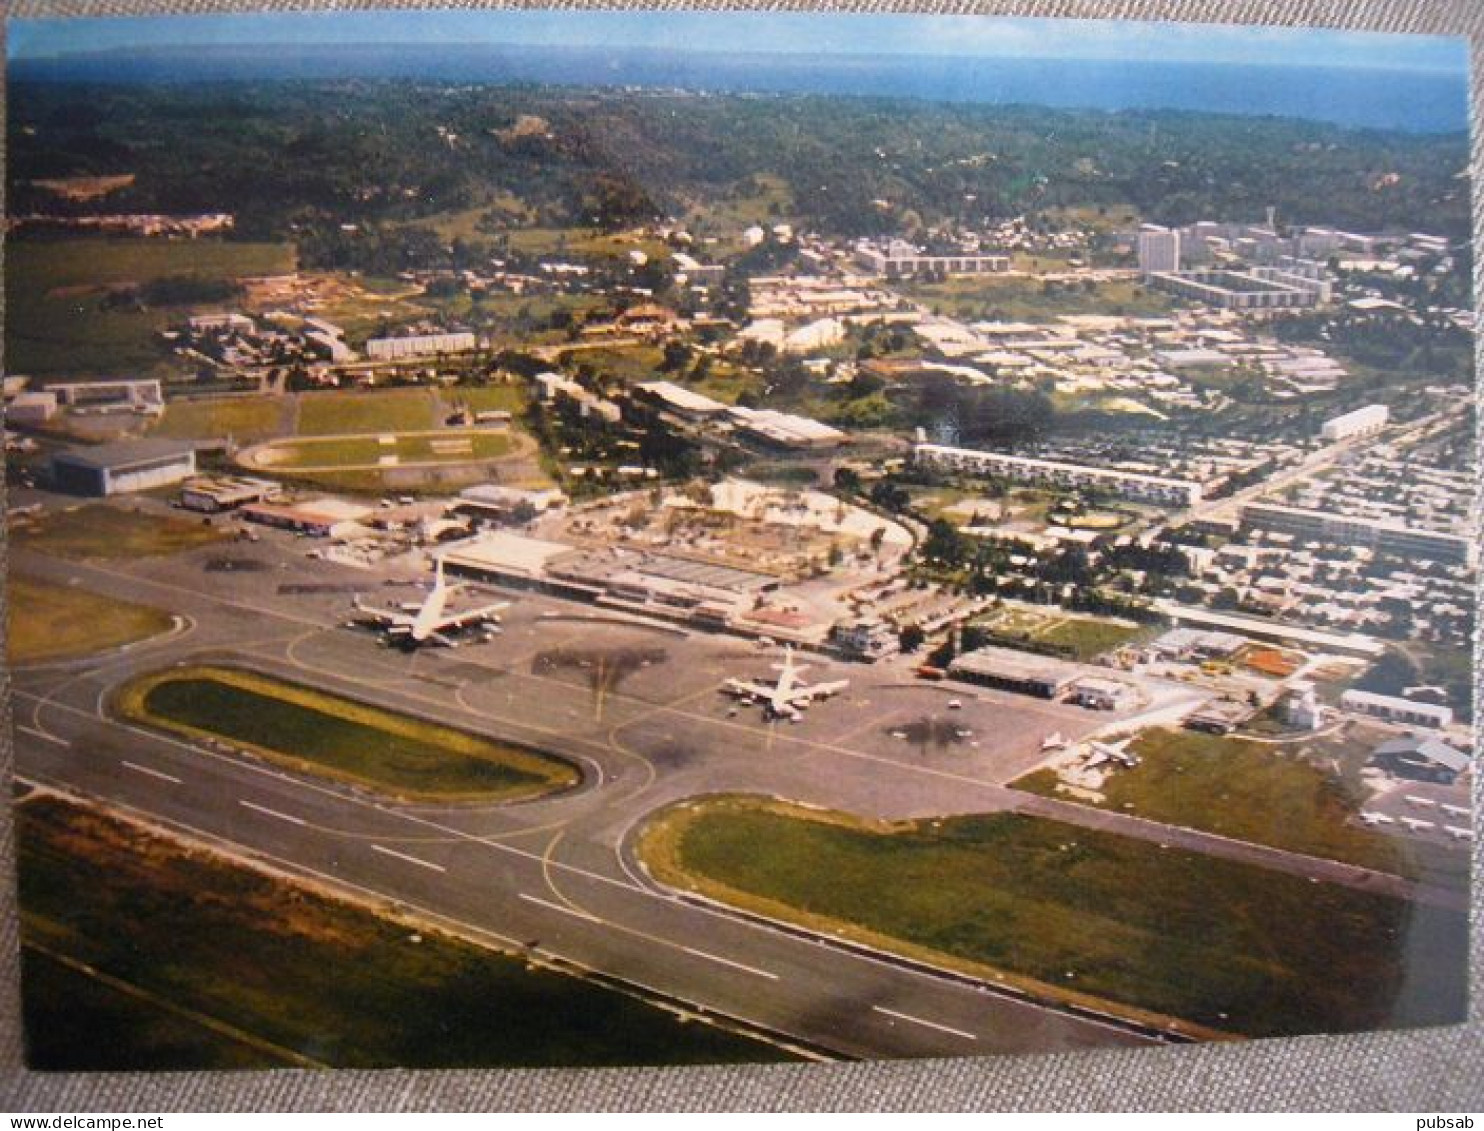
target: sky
<point>736,32</point>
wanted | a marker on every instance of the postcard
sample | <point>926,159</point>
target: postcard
<point>584,538</point>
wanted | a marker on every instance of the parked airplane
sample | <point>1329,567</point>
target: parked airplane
<point>1104,752</point>
<point>787,698</point>
<point>428,623</point>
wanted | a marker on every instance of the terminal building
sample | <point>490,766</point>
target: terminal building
<point>1377,534</point>
<point>1125,484</point>
<point>1365,421</point>
<point>117,469</point>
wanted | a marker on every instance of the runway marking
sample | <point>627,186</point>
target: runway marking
<point>1289,860</point>
<point>41,734</point>
<point>410,859</point>
<point>271,812</point>
<point>923,1021</point>
<point>728,962</point>
<point>138,769</point>
<point>546,903</point>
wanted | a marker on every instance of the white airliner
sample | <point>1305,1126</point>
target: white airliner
<point>428,623</point>
<point>787,698</point>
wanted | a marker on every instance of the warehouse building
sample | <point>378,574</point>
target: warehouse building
<point>31,409</point>
<point>141,395</point>
<point>784,430</point>
<point>214,494</point>
<point>1007,670</point>
<point>117,469</point>
<point>1362,422</point>
<point>1395,710</point>
<point>318,518</point>
<point>1419,758</point>
<point>419,345</point>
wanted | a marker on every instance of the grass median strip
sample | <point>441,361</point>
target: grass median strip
<point>1080,914</point>
<point>146,952</point>
<point>320,733</point>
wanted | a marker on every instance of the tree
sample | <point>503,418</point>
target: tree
<point>911,638</point>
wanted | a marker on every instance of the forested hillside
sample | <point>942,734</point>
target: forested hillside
<point>302,159</point>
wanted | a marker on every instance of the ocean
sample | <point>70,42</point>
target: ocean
<point>1413,101</point>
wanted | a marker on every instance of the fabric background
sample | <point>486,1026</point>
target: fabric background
<point>1420,1070</point>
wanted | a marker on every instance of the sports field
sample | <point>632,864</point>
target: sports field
<point>244,419</point>
<point>391,450</point>
<point>343,414</point>
<point>1226,946</point>
<point>319,733</point>
<point>143,952</point>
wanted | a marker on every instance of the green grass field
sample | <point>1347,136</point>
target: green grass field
<point>1220,944</point>
<point>204,963</point>
<point>489,398</point>
<point>317,732</point>
<point>56,323</point>
<point>1089,638</point>
<point>445,447</point>
<point>110,533</point>
<point>628,363</point>
<point>1256,792</point>
<point>1086,637</point>
<point>77,1021</point>
<point>989,296</point>
<point>584,241</point>
<point>392,410</point>
<point>49,622</point>
<point>245,419</point>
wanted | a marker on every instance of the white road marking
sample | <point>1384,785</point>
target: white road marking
<point>924,1022</point>
<point>728,962</point>
<point>41,734</point>
<point>271,812</point>
<point>138,769</point>
<point>546,903</point>
<point>410,859</point>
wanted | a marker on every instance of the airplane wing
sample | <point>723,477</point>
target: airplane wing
<point>818,691</point>
<point>745,688</point>
<point>382,616</point>
<point>458,620</point>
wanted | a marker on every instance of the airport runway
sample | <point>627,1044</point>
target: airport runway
<point>555,875</point>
